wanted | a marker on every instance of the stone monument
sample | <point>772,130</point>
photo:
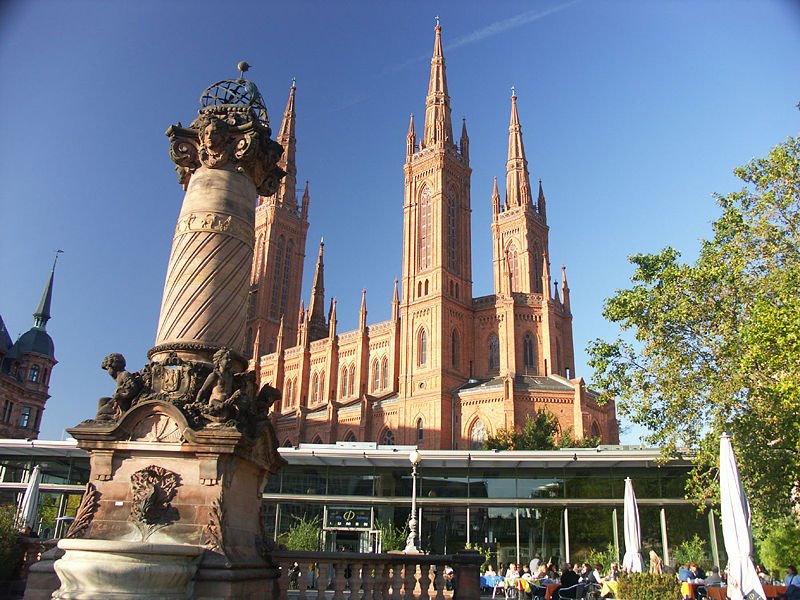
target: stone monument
<point>182,449</point>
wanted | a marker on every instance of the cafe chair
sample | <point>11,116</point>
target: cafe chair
<point>569,593</point>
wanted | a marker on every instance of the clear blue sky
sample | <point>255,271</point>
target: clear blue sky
<point>633,114</point>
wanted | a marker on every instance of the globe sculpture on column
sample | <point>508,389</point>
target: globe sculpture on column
<point>181,451</point>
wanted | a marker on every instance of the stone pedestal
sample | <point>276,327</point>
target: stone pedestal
<point>166,500</point>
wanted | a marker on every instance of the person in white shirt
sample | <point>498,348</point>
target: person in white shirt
<point>792,583</point>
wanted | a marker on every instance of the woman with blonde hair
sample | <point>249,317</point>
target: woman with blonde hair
<point>656,564</point>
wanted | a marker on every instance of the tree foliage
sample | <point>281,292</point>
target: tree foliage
<point>392,538</point>
<point>714,345</point>
<point>10,550</point>
<point>304,534</point>
<point>540,432</point>
<point>689,551</point>
<point>779,548</point>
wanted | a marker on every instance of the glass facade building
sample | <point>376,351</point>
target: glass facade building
<point>559,504</point>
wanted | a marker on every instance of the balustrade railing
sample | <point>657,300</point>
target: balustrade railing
<point>350,576</point>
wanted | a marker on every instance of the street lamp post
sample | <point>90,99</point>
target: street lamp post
<point>411,547</point>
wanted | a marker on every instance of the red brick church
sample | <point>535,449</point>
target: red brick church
<point>448,368</point>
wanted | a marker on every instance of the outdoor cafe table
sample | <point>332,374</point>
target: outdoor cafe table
<point>774,591</point>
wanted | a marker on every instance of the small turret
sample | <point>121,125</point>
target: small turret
<point>545,276</point>
<point>541,204</point>
<point>495,199</point>
<point>362,320</point>
<point>565,288</point>
<point>411,138</point>
<point>332,319</point>
<point>464,140</point>
<point>304,207</point>
<point>395,302</point>
<point>317,328</point>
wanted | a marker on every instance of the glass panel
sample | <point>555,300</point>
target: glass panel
<point>540,485</point>
<point>683,523</point>
<point>443,529</point>
<point>305,481</point>
<point>540,533</point>
<point>440,484</point>
<point>501,530</point>
<point>351,482</point>
<point>492,483</point>
<point>590,528</point>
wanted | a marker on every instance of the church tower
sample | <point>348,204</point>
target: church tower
<point>280,230</point>
<point>519,226</point>
<point>436,315</point>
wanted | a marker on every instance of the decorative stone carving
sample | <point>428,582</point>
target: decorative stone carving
<point>213,536</point>
<point>86,510</point>
<point>152,490</point>
<point>228,135</point>
<point>128,386</point>
<point>157,428</point>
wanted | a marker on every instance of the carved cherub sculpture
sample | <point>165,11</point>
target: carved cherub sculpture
<point>218,397</point>
<point>128,386</point>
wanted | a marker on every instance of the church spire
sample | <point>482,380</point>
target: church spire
<point>438,125</point>
<point>42,314</point>
<point>411,137</point>
<point>518,184</point>
<point>287,194</point>
<point>316,318</point>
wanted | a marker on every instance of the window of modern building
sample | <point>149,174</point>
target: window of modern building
<point>422,347</point>
<point>494,353</point>
<point>25,417</point>
<point>33,373</point>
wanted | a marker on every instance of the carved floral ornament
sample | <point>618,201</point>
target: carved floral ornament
<point>227,136</point>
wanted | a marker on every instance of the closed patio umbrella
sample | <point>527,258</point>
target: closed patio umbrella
<point>742,578</point>
<point>633,534</point>
<point>29,507</point>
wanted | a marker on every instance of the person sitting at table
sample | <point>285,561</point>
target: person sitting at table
<point>684,574</point>
<point>512,572</point>
<point>613,574</point>
<point>568,576</point>
<point>596,576</point>
<point>489,571</point>
<point>763,575</point>
<point>552,571</point>
<point>713,580</point>
<point>697,572</point>
<point>792,583</point>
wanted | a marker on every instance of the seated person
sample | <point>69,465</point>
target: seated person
<point>697,572</point>
<point>613,574</point>
<point>596,576</point>
<point>713,580</point>
<point>684,574</point>
<point>792,583</point>
<point>569,578</point>
<point>763,575</point>
<point>490,571</point>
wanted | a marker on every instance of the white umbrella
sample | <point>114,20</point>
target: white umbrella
<point>742,578</point>
<point>26,517</point>
<point>633,534</point>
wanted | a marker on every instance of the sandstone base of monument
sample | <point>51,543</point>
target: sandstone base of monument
<point>114,570</point>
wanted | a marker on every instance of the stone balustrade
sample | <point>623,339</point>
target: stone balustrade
<point>350,575</point>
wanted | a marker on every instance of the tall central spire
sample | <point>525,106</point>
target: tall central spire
<point>438,126</point>
<point>317,326</point>
<point>518,185</point>
<point>42,314</point>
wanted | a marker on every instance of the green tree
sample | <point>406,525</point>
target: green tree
<point>392,538</point>
<point>304,534</point>
<point>538,433</point>
<point>688,551</point>
<point>10,550</point>
<point>714,345</point>
<point>779,547</point>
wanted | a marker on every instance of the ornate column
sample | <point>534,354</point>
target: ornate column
<point>224,159</point>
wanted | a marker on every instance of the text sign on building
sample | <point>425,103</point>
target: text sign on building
<point>342,517</point>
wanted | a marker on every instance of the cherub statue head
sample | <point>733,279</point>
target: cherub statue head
<point>222,360</point>
<point>113,363</point>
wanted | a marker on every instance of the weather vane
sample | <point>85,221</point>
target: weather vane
<point>513,91</point>
<point>437,20</point>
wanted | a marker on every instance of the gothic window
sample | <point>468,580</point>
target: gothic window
<point>454,343</point>
<point>276,278</point>
<point>343,391</point>
<point>352,381</point>
<point>25,417</point>
<point>529,354</point>
<point>289,393</point>
<point>420,430</point>
<point>316,440</point>
<point>33,374</point>
<point>494,353</point>
<point>385,373</point>
<point>259,258</point>
<point>422,347</point>
<point>419,290</point>
<point>452,232</point>
<point>315,389</point>
<point>425,231</point>
<point>350,437</point>
<point>513,267</point>
<point>557,366</point>
<point>426,287</point>
<point>376,375</point>
<point>387,439</point>
<point>537,269</point>
<point>287,270</point>
<point>477,435</point>
<point>595,430</point>
<point>322,386</point>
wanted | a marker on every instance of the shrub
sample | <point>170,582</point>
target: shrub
<point>604,557</point>
<point>392,538</point>
<point>648,586</point>
<point>485,552</point>
<point>779,547</point>
<point>304,534</point>
<point>10,550</point>
<point>693,550</point>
